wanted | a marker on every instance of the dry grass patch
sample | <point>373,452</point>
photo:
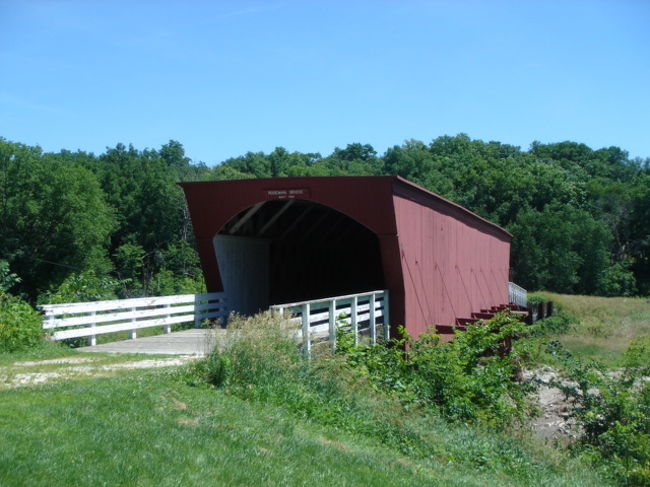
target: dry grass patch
<point>605,326</point>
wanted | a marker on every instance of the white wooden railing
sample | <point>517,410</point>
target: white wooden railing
<point>73,320</point>
<point>362,313</point>
<point>517,295</point>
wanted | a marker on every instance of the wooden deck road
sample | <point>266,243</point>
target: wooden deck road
<point>187,342</point>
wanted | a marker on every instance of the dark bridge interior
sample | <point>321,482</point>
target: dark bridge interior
<point>314,251</point>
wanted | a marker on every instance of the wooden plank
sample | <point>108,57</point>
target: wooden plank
<point>247,216</point>
<point>295,222</point>
<point>332,324</point>
<point>355,319</point>
<point>185,342</point>
<point>124,315</point>
<point>81,332</point>
<point>306,340</point>
<point>386,315</point>
<point>92,339</point>
<point>118,316</point>
<point>118,304</point>
<point>275,217</point>
<point>132,333</point>
<point>373,321</point>
<point>168,328</point>
<point>314,318</point>
<point>377,293</point>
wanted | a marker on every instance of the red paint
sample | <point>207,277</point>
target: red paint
<point>439,260</point>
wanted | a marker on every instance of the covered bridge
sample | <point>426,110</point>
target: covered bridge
<point>271,241</point>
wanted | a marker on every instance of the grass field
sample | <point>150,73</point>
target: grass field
<point>148,428</point>
<point>604,326</point>
<point>114,426</point>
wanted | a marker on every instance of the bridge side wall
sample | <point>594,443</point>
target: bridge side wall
<point>453,264</point>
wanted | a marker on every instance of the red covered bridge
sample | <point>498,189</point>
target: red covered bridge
<point>270,241</point>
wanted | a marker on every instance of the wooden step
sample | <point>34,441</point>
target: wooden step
<point>445,329</point>
<point>482,316</point>
<point>462,322</point>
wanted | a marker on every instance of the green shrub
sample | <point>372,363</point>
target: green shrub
<point>262,362</point>
<point>7,278</point>
<point>20,324</point>
<point>536,299</point>
<point>617,280</point>
<point>612,410</point>
<point>558,323</point>
<point>167,283</point>
<point>82,287</point>
<point>469,379</point>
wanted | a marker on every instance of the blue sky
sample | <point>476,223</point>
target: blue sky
<point>226,77</point>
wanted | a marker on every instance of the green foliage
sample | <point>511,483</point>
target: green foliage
<point>612,410</point>
<point>53,216</point>
<point>83,287</point>
<point>7,278</point>
<point>20,325</point>
<point>468,379</point>
<point>147,427</point>
<point>560,248</point>
<point>579,216</point>
<point>616,280</point>
<point>167,283</point>
<point>261,365</point>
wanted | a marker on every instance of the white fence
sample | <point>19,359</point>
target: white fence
<point>362,313</point>
<point>517,295</point>
<point>73,320</point>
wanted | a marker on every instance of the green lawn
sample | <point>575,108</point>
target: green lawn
<point>148,428</point>
<point>151,428</point>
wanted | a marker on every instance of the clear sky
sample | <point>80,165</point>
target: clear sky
<point>227,77</point>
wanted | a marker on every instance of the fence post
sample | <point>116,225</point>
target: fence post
<point>355,321</point>
<point>168,328</point>
<point>332,323</point>
<point>92,339</point>
<point>306,339</point>
<point>132,333</point>
<point>197,315</point>
<point>373,320</point>
<point>386,316</point>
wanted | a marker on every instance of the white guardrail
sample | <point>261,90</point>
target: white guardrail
<point>517,295</point>
<point>99,317</point>
<point>361,313</point>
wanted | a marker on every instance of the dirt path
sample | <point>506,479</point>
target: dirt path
<point>44,371</point>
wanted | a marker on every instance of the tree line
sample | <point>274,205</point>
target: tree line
<point>80,226</point>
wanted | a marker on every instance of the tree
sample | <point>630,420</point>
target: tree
<point>54,217</point>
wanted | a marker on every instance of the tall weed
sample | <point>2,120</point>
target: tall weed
<point>612,409</point>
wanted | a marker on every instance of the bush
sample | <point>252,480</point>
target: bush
<point>612,410</point>
<point>20,324</point>
<point>82,287</point>
<point>469,379</point>
<point>262,362</point>
<point>616,280</point>
<point>558,323</point>
<point>7,278</point>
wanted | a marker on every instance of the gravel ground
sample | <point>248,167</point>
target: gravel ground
<point>70,368</point>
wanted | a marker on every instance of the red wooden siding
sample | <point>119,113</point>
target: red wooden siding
<point>450,269</point>
<point>438,260</point>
